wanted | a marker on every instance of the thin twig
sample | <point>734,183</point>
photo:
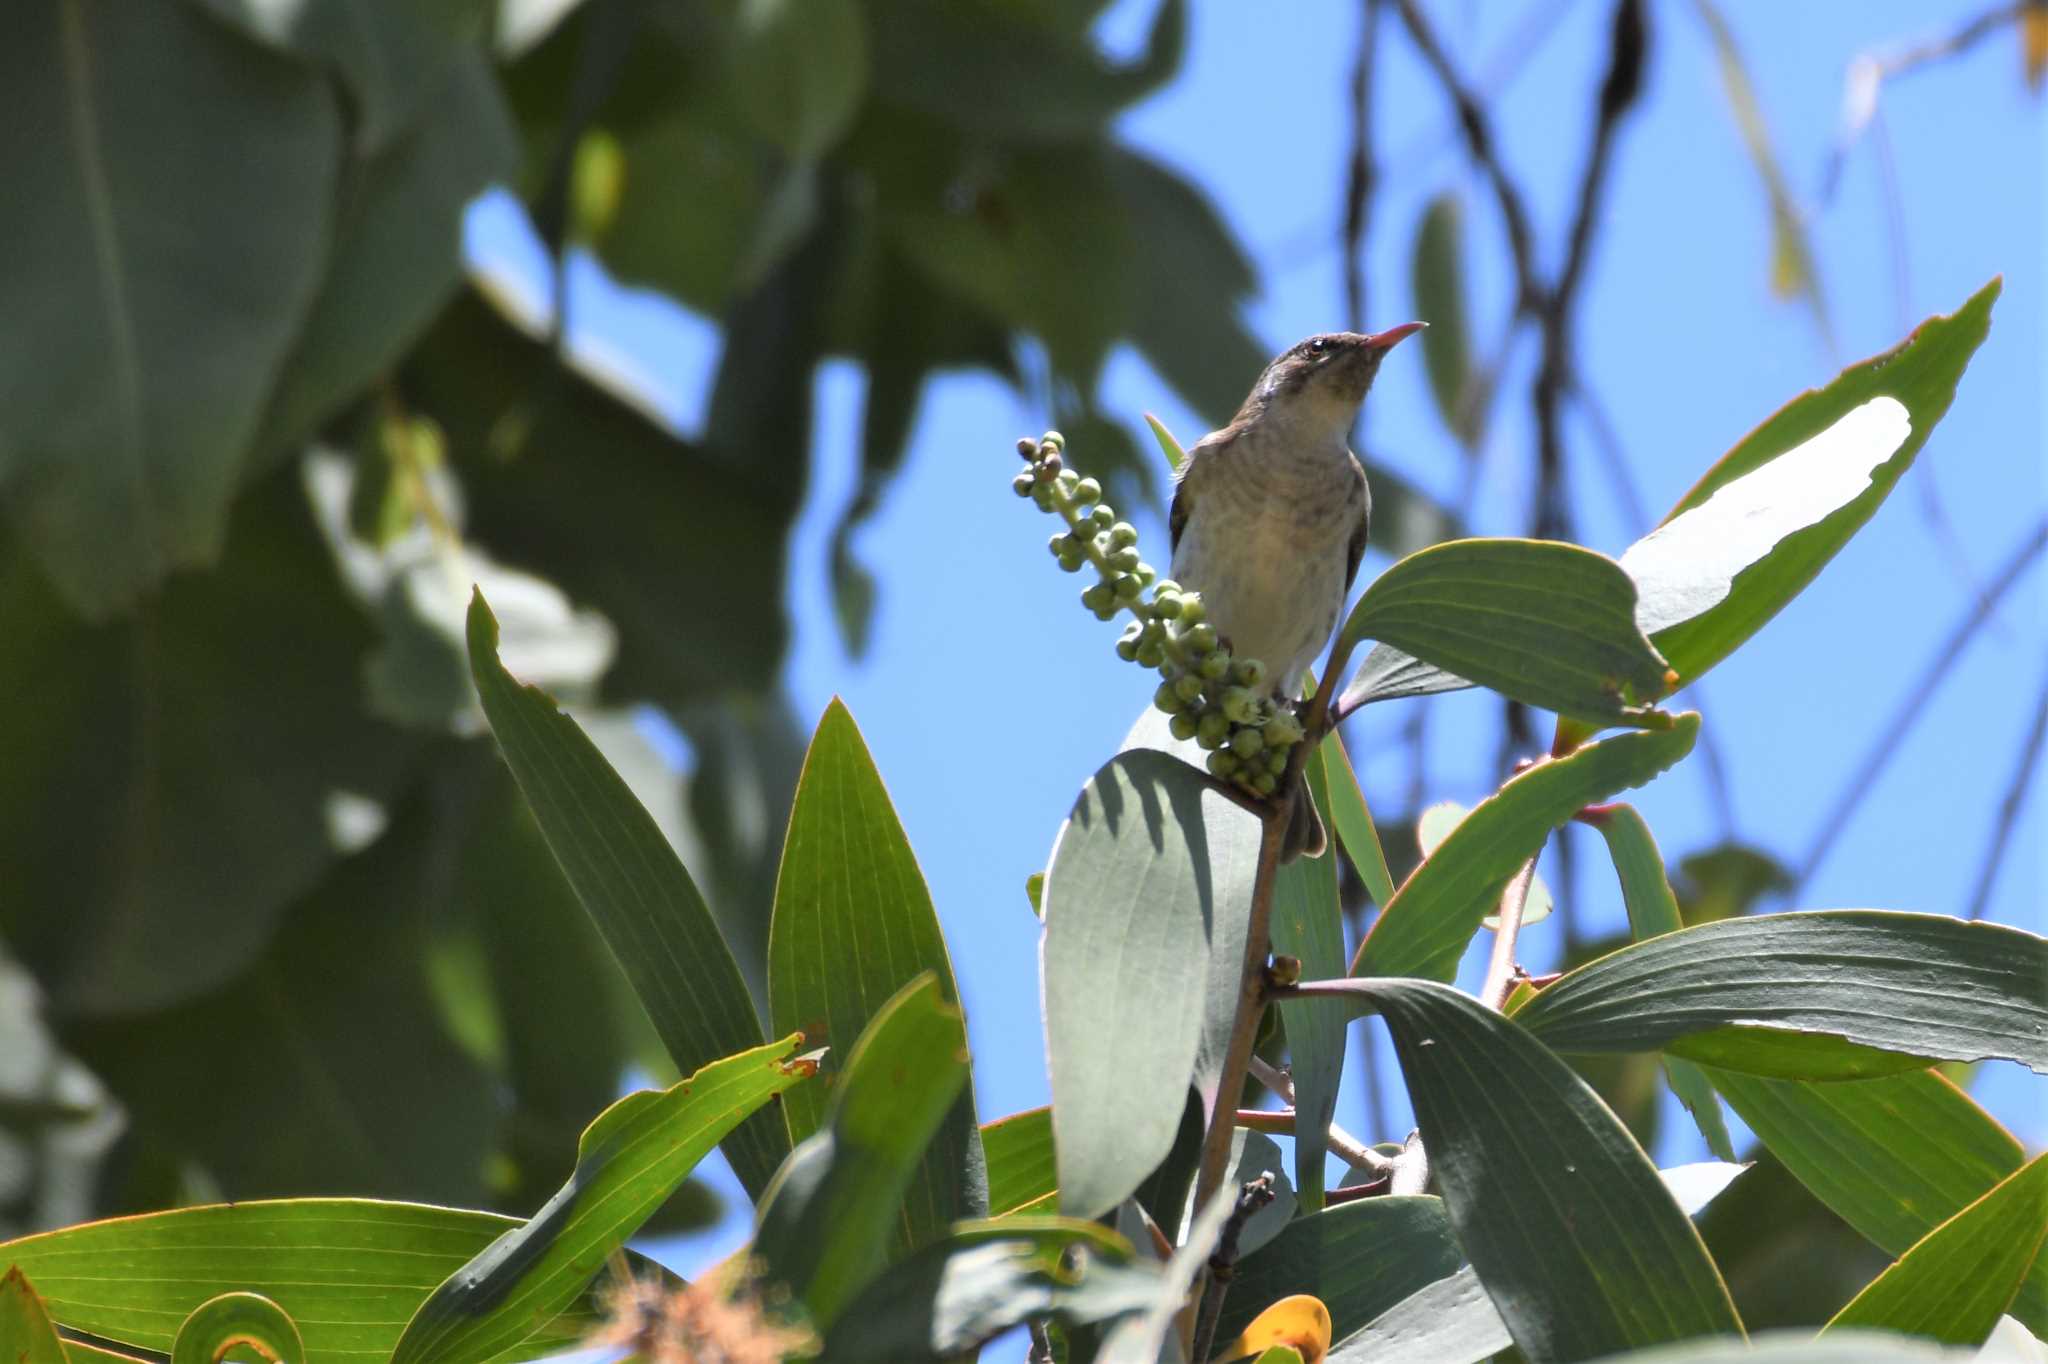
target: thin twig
<point>1223,1262</point>
<point>1913,704</point>
<point>1041,1345</point>
<point>2009,809</point>
<point>1341,1143</point>
<point>1500,968</point>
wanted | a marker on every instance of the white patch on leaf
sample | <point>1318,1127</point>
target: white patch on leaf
<point>1687,566</point>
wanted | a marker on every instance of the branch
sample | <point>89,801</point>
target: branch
<point>1223,1263</point>
<point>1500,968</point>
<point>1341,1143</point>
<point>2009,809</point>
<point>1913,704</point>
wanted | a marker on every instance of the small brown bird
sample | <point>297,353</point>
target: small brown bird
<point>1270,516</point>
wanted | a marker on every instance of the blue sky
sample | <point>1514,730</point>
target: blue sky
<point>1678,333</point>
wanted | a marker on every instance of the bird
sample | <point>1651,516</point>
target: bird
<point>1271,513</point>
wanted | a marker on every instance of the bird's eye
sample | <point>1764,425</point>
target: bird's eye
<point>1318,346</point>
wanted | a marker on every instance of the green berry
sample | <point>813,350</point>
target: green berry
<point>1246,743</point>
<point>1184,725</point>
<point>1069,480</point>
<point>1250,672</point>
<point>1026,446</point>
<point>1166,605</point>
<point>1103,517</point>
<point>1128,587</point>
<point>1098,597</point>
<point>1054,439</point>
<point>1125,561</point>
<point>1191,608</point>
<point>1189,686</point>
<point>1265,783</point>
<point>1168,699</point>
<point>1223,763</point>
<point>1212,730</point>
<point>1151,654</point>
<point>1146,573</point>
<point>1088,492</point>
<point>1200,638</point>
<point>1276,760</point>
<point>1049,460</point>
<point>1121,534</point>
<point>1127,650</point>
<point>1023,483</point>
<point>1238,705</point>
<point>1213,666</point>
<point>1283,729</point>
<point>1106,612</point>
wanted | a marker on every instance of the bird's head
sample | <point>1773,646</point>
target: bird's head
<point>1323,379</point>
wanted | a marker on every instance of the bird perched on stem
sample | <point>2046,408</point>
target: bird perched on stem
<point>1270,516</point>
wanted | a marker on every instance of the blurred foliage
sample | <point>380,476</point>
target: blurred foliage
<point>261,434</point>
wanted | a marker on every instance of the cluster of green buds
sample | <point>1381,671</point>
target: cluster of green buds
<point>1220,702</point>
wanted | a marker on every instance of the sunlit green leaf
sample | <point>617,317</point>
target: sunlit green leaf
<point>1424,928</point>
<point>1550,624</point>
<point>1021,1171</point>
<point>1956,1282</point>
<point>1352,820</point>
<point>631,1158</point>
<point>849,1191</point>
<point>853,925</point>
<point>1859,975</point>
<point>1308,925</point>
<point>26,1335</point>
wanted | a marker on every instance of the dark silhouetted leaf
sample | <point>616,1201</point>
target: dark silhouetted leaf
<point>1360,1258</point>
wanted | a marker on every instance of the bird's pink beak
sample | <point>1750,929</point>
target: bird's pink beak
<point>1393,336</point>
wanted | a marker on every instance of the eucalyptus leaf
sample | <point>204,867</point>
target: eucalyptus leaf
<point>853,925</point>
<point>1542,622</point>
<point>1956,1282</point>
<point>1022,1173</point>
<point>1390,675</point>
<point>628,1163</point>
<point>1860,975</point>
<point>1308,924</point>
<point>1423,930</point>
<point>26,1334</point>
<point>1437,285</point>
<point>828,1221</point>
<point>1578,1242</point>
<point>1360,1258</point>
<point>1352,820</point>
<point>1144,911</point>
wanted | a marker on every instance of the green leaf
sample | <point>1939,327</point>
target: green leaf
<point>1437,284</point>
<point>1653,912</point>
<point>246,1320</point>
<point>1352,819</point>
<point>852,1188</point>
<point>155,863</point>
<point>1145,904</point>
<point>1390,675</point>
<point>635,888</point>
<point>1424,928</point>
<point>1923,985</point>
<point>1861,1148</point>
<point>26,1335</point>
<point>628,1163</point>
<point>853,925</point>
<point>1958,1280</point>
<point>1360,1258</point>
<point>1280,1354</point>
<point>799,70</point>
<point>1770,515</point>
<point>397,253</point>
<point>1579,1244</point>
<point>954,1294</point>
<point>1308,924</point>
<point>167,287</point>
<point>1547,623</point>
<point>350,1270</point>
<point>1435,824</point>
<point>1021,1170</point>
<point>1138,1339</point>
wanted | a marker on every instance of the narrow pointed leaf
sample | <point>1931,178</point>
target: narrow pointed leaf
<point>628,1163</point>
<point>1547,623</point>
<point>1775,509</point>
<point>1168,446</point>
<point>1021,1169</point>
<point>26,1335</point>
<point>1145,903</point>
<point>1437,286</point>
<point>633,885</point>
<point>1424,928</point>
<point>1308,924</point>
<point>1957,1281</point>
<point>853,925</point>
<point>351,1271</point>
<point>828,1221</point>
<point>1352,819</point>
<point>1580,1245</point>
<point>1653,912</point>
<point>1920,985</point>
<point>1359,1258</point>
<point>1861,1147</point>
